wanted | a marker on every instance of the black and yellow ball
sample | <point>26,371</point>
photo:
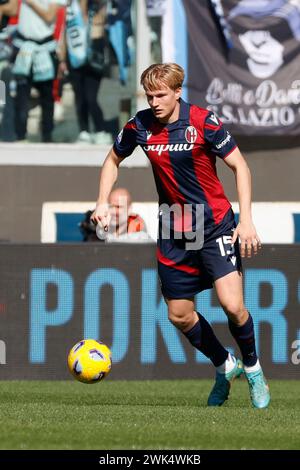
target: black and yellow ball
<point>89,361</point>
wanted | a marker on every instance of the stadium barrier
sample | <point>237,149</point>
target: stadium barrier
<point>34,174</point>
<point>58,155</point>
<point>52,296</point>
<point>276,222</point>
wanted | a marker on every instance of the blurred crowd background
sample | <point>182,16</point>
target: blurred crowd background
<point>69,68</point>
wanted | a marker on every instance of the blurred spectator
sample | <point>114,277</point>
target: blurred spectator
<point>83,55</point>
<point>124,225</point>
<point>121,35</point>
<point>8,8</point>
<point>36,62</point>
<point>155,12</point>
<point>122,220</point>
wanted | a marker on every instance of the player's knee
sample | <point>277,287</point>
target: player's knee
<point>236,311</point>
<point>181,323</point>
<point>180,318</point>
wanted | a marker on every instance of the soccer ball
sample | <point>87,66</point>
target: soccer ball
<point>89,361</point>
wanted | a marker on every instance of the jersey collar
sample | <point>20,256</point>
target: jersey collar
<point>184,111</point>
<point>184,114</point>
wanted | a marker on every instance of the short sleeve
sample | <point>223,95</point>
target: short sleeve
<point>219,140</point>
<point>126,141</point>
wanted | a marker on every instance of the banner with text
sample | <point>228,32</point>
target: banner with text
<point>245,65</point>
<point>52,296</point>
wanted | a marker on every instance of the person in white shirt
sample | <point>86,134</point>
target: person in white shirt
<point>36,62</point>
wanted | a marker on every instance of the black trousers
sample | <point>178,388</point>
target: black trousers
<point>22,100</point>
<point>86,83</point>
<point>8,117</point>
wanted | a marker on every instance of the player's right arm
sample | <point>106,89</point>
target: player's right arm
<point>122,148</point>
<point>108,177</point>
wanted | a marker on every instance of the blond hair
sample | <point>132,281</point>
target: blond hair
<point>169,74</point>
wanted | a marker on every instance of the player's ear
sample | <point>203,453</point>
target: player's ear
<point>178,92</point>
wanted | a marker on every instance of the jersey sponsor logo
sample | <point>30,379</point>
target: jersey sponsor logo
<point>214,119</point>
<point>224,142</point>
<point>160,148</point>
<point>190,134</point>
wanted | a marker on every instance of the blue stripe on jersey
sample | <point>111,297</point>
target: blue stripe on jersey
<point>195,192</point>
<point>183,168</point>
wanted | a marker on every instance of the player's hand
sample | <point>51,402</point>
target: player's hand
<point>101,215</point>
<point>248,238</point>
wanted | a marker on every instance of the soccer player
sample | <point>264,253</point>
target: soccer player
<point>182,142</point>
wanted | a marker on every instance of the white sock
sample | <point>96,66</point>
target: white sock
<point>254,368</point>
<point>228,365</point>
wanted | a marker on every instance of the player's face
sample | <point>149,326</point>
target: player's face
<point>164,103</point>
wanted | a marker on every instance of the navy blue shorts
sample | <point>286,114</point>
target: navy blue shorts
<point>183,274</point>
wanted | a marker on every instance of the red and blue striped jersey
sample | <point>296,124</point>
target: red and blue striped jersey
<point>183,157</point>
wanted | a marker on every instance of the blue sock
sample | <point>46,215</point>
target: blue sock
<point>202,337</point>
<point>244,336</point>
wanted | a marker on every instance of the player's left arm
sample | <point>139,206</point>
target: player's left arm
<point>245,229</point>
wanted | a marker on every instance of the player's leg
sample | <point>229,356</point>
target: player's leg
<point>181,279</point>
<point>198,331</point>
<point>180,282</point>
<point>218,258</point>
<point>229,290</point>
<point>182,314</point>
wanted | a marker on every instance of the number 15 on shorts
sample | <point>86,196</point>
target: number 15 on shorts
<point>223,243</point>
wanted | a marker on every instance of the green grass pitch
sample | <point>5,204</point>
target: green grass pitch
<point>145,415</point>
